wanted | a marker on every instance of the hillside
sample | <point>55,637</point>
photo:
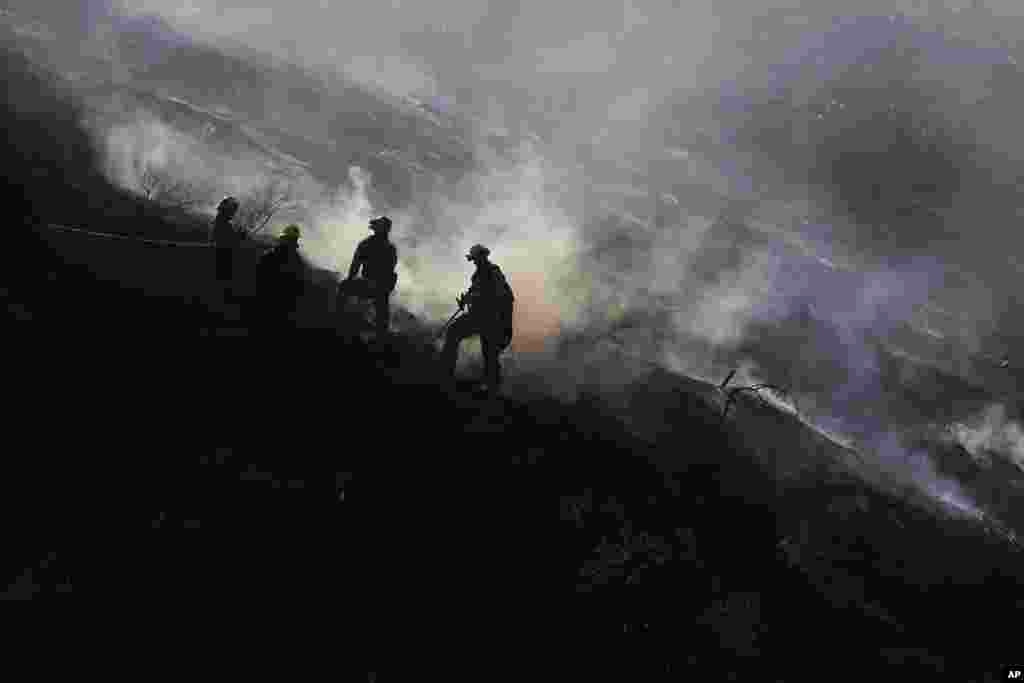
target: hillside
<point>527,501</point>
<point>341,478</point>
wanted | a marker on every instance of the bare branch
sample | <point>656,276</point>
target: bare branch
<point>149,181</point>
<point>756,389</point>
<point>263,203</point>
<point>167,188</point>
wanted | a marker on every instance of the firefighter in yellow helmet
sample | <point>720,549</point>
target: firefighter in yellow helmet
<point>282,274</point>
<point>290,235</point>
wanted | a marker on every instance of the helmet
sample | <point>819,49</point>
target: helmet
<point>290,233</point>
<point>478,250</point>
<point>381,223</point>
<point>228,205</point>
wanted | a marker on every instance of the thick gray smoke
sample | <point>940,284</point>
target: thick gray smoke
<point>821,195</point>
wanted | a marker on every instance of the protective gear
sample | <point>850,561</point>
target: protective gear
<point>477,251</point>
<point>291,233</point>
<point>490,300</point>
<point>381,223</point>
<point>225,238</point>
<point>228,206</point>
<point>376,258</point>
<point>488,289</point>
<point>282,277</point>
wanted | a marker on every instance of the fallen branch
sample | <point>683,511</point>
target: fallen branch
<point>756,389</point>
<point>731,394</point>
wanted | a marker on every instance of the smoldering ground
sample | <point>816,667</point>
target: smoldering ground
<point>708,187</point>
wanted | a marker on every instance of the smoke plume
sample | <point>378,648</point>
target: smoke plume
<point>820,195</point>
<point>992,432</point>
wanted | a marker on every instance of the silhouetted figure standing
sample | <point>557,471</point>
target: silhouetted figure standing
<point>282,279</point>
<point>377,257</point>
<point>226,238</point>
<point>490,301</point>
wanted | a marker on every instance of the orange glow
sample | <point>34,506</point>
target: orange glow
<point>536,317</point>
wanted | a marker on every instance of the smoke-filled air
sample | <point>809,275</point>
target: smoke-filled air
<point>822,195</point>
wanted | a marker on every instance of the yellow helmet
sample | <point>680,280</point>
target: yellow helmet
<point>291,233</point>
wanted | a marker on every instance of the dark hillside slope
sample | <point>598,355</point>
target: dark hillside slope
<point>525,518</point>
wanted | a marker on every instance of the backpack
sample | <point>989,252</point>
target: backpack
<point>505,308</point>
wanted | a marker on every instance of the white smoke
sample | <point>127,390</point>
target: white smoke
<point>512,206</point>
<point>523,208</point>
<point>149,144</point>
<point>142,146</point>
<point>339,223</point>
<point>990,434</point>
<point>723,311</point>
<point>895,464</point>
<point>508,208</point>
